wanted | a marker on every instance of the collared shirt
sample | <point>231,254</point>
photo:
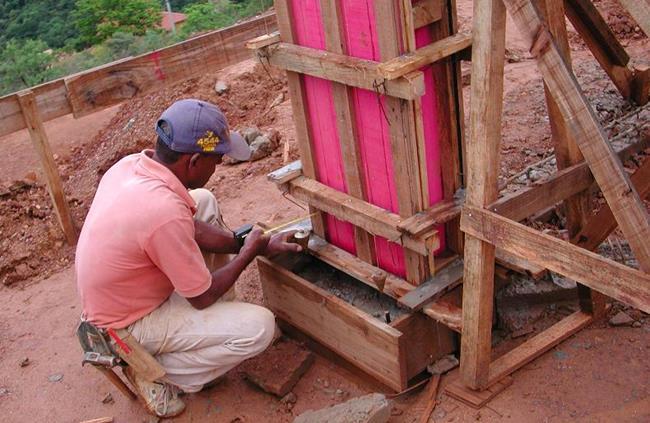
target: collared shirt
<point>137,244</point>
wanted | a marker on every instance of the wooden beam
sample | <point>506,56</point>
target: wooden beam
<point>27,101</point>
<point>370,275</point>
<point>538,345</point>
<point>523,203</point>
<point>640,11</point>
<point>629,210</point>
<point>345,122</point>
<point>602,42</point>
<point>51,101</point>
<point>340,68</point>
<point>286,173</point>
<point>299,110</point>
<point>446,313</point>
<point>263,41</point>
<point>428,219</point>
<point>482,155</point>
<point>519,265</point>
<point>111,84</point>
<point>405,128</point>
<point>369,217</point>
<point>616,280</point>
<point>599,226</point>
<point>52,97</point>
<point>426,12</point>
<point>423,56</point>
<point>436,286</point>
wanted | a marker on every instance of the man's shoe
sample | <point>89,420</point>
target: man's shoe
<point>160,399</point>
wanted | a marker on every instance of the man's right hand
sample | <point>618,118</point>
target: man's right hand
<point>255,242</point>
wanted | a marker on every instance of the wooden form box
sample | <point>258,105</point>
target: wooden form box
<point>391,353</point>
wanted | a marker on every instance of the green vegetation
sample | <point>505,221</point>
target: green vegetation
<point>46,39</point>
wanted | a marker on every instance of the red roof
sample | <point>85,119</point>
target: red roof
<point>168,18</point>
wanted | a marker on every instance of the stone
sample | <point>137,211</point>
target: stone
<point>290,398</point>
<point>636,325</point>
<point>279,368</point>
<point>262,147</point>
<point>25,362</point>
<point>621,319</point>
<point>55,377</point>
<point>443,365</point>
<point>221,87</point>
<point>22,270</point>
<point>250,133</point>
<point>108,399</point>
<point>372,408</point>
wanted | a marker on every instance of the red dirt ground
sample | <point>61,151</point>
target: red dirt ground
<point>601,374</point>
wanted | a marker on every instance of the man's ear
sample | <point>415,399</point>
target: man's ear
<point>194,159</point>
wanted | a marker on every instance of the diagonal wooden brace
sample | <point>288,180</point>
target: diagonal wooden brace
<point>623,199</point>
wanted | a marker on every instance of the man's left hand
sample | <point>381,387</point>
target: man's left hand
<point>279,244</point>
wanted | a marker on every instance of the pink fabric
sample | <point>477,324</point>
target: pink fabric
<point>326,146</point>
<point>137,244</point>
<point>360,40</point>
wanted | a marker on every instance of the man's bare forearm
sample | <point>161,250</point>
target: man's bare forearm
<point>223,279</point>
<point>214,239</point>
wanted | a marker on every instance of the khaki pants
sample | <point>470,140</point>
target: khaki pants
<point>197,346</point>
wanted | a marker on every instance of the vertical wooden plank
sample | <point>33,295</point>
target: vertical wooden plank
<point>608,171</point>
<point>346,130</point>
<point>567,152</point>
<point>403,134</point>
<point>297,94</point>
<point>37,133</point>
<point>488,52</point>
<point>450,115</point>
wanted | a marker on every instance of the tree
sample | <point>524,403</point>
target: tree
<point>97,20</point>
<point>24,64</point>
<point>46,20</point>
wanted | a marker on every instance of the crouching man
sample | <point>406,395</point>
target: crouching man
<point>155,258</point>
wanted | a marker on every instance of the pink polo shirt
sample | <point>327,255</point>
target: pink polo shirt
<point>137,244</point>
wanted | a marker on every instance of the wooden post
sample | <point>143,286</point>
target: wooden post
<point>483,147</point>
<point>346,129</point>
<point>34,124</point>
<point>297,94</point>
<point>403,135</point>
<point>567,152</point>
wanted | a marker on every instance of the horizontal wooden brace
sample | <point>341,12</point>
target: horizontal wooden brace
<point>446,313</point>
<point>369,217</point>
<point>433,288</point>
<point>263,40</point>
<point>563,184</point>
<point>426,12</point>
<point>537,345</point>
<point>286,173</point>
<point>616,280</point>
<point>370,275</point>
<point>423,56</point>
<point>428,219</point>
<point>340,68</point>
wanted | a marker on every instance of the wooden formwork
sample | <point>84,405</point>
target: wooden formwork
<point>491,234</point>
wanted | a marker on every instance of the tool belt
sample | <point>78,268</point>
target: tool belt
<point>109,348</point>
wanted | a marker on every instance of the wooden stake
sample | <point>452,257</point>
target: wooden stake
<point>38,135</point>
<point>488,53</point>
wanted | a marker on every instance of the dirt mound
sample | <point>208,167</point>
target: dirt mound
<point>32,243</point>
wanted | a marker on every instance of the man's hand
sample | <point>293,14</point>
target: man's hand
<point>279,244</point>
<point>255,243</point>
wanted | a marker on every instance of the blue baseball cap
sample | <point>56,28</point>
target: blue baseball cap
<point>195,126</point>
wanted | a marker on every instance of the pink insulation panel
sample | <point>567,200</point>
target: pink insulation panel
<point>360,40</point>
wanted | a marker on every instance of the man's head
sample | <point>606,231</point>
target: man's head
<point>193,136</point>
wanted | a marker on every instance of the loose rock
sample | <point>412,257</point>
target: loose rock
<point>621,319</point>
<point>25,362</point>
<point>443,365</point>
<point>108,399</point>
<point>221,87</point>
<point>372,408</point>
<point>55,377</point>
